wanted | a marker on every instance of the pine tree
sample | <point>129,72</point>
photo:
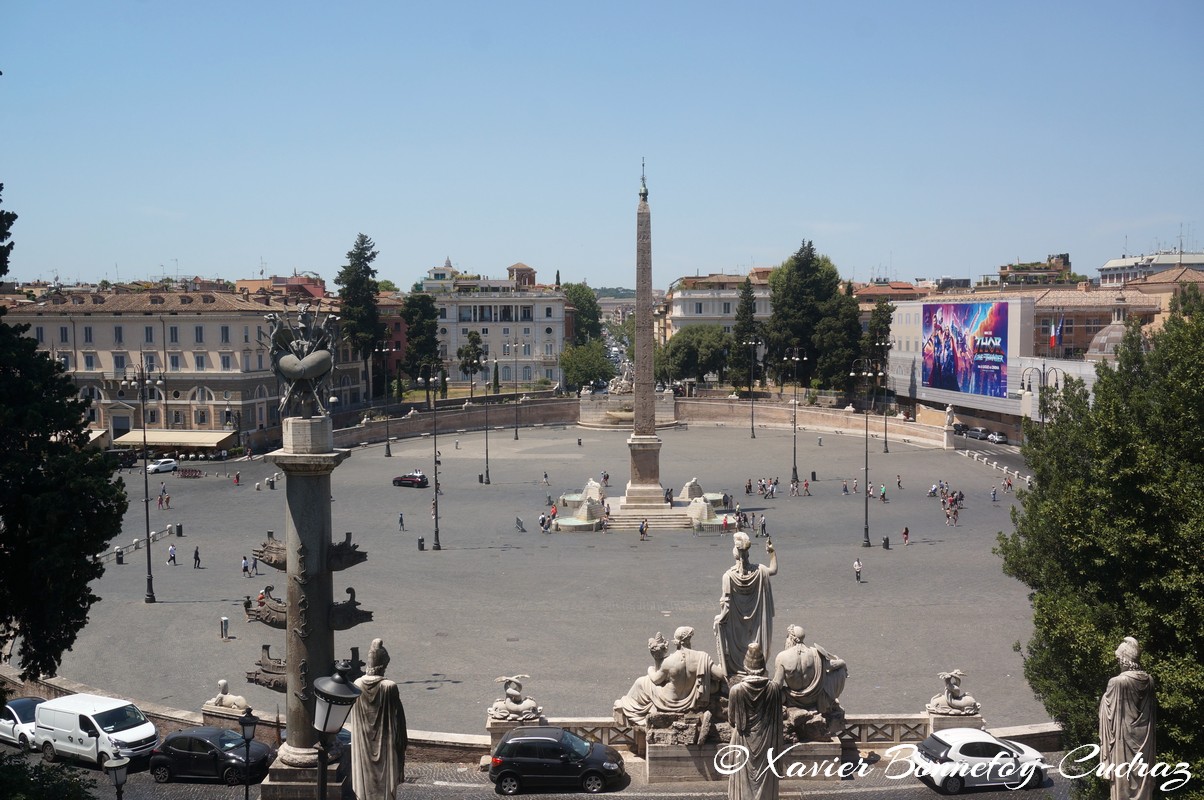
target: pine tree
<point>360,318</point>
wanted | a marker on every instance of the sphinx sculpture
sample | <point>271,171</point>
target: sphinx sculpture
<point>812,680</point>
<point>953,701</point>
<point>226,700</point>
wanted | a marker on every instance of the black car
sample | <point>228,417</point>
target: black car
<point>209,753</point>
<point>960,428</point>
<point>537,757</point>
<point>415,479</point>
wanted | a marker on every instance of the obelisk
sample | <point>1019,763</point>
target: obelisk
<point>644,488</point>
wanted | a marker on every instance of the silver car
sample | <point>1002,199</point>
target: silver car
<point>998,437</point>
<point>17,721</point>
<point>162,465</point>
<point>955,758</point>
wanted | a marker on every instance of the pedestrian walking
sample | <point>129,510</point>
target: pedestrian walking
<point>882,492</point>
<point>237,476</point>
<point>857,569</point>
<point>807,487</point>
<point>162,487</point>
<point>854,486</point>
<point>994,495</point>
<point>643,529</point>
<point>167,501</point>
<point>763,533</point>
<point>906,536</point>
<point>246,567</point>
<point>899,481</point>
<point>196,558</point>
<point>401,520</point>
<point>171,554</point>
<point>546,482</point>
<point>160,501</point>
<point>845,489</point>
<point>255,565</point>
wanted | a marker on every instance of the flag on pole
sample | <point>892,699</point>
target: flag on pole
<point>1053,334</point>
<point>1061,322</point>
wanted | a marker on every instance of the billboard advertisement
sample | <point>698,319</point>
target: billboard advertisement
<point>965,347</point>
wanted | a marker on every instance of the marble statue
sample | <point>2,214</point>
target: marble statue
<point>378,731</point>
<point>514,706</point>
<point>624,382</point>
<point>812,680</point>
<point>302,359</point>
<point>687,680</point>
<point>226,700</point>
<point>953,701</point>
<point>1127,715</point>
<point>754,710</point>
<point>746,605</point>
<point>948,416</point>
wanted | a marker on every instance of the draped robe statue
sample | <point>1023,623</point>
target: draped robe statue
<point>378,732</point>
<point>746,606</point>
<point>1127,713</point>
<point>812,681</point>
<point>684,681</point>
<point>754,709</point>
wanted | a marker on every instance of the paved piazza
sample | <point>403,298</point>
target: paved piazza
<point>575,610</point>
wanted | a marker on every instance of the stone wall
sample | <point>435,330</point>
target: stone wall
<point>455,418</point>
<point>811,420</point>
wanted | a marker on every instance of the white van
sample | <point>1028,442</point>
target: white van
<point>92,728</point>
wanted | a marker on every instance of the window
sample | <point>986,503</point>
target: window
<point>547,348</point>
<point>698,308</point>
<point>1068,327</point>
<point>526,313</point>
<point>547,373</point>
<point>526,331</point>
<point>526,373</point>
<point>173,334</point>
<point>148,334</point>
<point>548,312</point>
<point>89,362</point>
<point>260,361</point>
<point>152,416</point>
<point>727,308</point>
<point>149,366</point>
<point>505,332</point>
<point>443,313</point>
<point>118,362</point>
<point>65,360</point>
<point>173,363</point>
<point>464,331</point>
<point>259,333</point>
<point>246,334</point>
<point>40,335</point>
<point>200,362</point>
<point>226,362</point>
<point>87,334</point>
<point>505,348</point>
<point>484,331</point>
<point>175,419</point>
<point>547,331</point>
<point>224,332</point>
<point>506,374</point>
<point>117,335</point>
<point>246,362</point>
<point>64,336</point>
<point>200,334</point>
<point>201,417</point>
<point>526,348</point>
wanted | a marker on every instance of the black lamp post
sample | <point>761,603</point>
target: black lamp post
<point>515,347</point>
<point>247,722</point>
<point>794,357</point>
<point>1044,376</point>
<point>485,367</point>
<point>142,381</point>
<point>752,345</point>
<point>118,770</point>
<point>385,372</point>
<point>885,397</point>
<point>434,383</point>
<point>334,697</point>
<point>867,368</point>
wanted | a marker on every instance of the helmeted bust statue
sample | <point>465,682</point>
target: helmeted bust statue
<point>1127,715</point>
<point>378,731</point>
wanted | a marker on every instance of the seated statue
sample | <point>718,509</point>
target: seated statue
<point>514,706</point>
<point>812,681</point>
<point>687,680</point>
<point>226,700</point>
<point>953,701</point>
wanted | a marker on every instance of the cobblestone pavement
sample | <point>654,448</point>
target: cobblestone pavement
<point>575,610</point>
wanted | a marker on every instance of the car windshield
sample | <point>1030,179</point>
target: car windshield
<point>23,710</point>
<point>120,719</point>
<point>576,744</point>
<point>228,740</point>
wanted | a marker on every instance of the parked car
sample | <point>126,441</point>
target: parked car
<point>17,721</point>
<point>998,437</point>
<point>536,757</point>
<point>415,479</point>
<point>977,433</point>
<point>120,458</point>
<point>92,728</point>
<point>209,752</point>
<point>955,758</point>
<point>162,465</point>
<point>960,428</point>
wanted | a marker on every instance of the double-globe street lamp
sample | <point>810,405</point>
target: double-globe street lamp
<point>143,383</point>
<point>434,382</point>
<point>383,352</point>
<point>514,347</point>
<point>867,368</point>
<point>1045,375</point>
<point>333,698</point>
<point>485,368</point>
<point>752,345</point>
<point>884,369</point>
<point>247,722</point>
<point>793,356</point>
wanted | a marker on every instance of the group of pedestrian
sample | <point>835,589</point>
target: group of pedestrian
<point>546,519</point>
<point>951,501</point>
<point>164,497</point>
<point>251,567</point>
<point>644,529</point>
<point>766,487</point>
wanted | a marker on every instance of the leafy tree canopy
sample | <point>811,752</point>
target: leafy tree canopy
<point>359,317</point>
<point>585,363</point>
<point>422,335</point>
<point>743,361</point>
<point>589,315</point>
<point>59,504</point>
<point>876,342</point>
<point>22,780</point>
<point>798,290</point>
<point>1109,537</point>
<point>469,355</point>
<point>696,350</point>
<point>386,286</point>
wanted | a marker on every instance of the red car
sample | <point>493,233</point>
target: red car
<point>415,479</point>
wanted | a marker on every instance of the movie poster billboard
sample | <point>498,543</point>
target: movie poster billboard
<point>965,347</point>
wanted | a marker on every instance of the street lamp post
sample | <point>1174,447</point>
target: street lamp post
<point>143,383</point>
<point>334,697</point>
<point>794,357</point>
<point>433,382</point>
<point>867,368</point>
<point>1044,374</point>
<point>385,372</point>
<point>117,769</point>
<point>752,345</point>
<point>247,722</point>
<point>515,348</point>
<point>485,366</point>
<point>885,396</point>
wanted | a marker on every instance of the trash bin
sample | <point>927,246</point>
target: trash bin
<point>120,555</point>
<point>480,477</point>
<point>885,542</point>
<point>813,476</point>
<point>578,441</point>
<point>272,483</point>
<point>179,529</point>
<point>421,543</point>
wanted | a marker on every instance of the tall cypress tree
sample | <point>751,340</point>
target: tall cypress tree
<point>743,358</point>
<point>360,319</point>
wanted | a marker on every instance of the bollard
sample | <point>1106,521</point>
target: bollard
<point>821,441</point>
<point>272,483</point>
<point>885,542</point>
<point>421,543</point>
<point>137,543</point>
<point>225,628</point>
<point>120,554</point>
<point>257,486</point>
<point>457,444</point>
<point>480,477</point>
<point>179,529</point>
<point>813,476</point>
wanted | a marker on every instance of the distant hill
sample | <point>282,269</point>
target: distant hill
<point>606,291</point>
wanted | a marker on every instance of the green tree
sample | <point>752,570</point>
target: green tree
<point>469,355</point>
<point>557,284</point>
<point>1108,538</point>
<point>585,363</point>
<point>742,363</point>
<point>589,314</point>
<point>837,340</point>
<point>422,337</point>
<point>799,289</point>
<point>22,780</point>
<point>497,384</point>
<point>358,314</point>
<point>696,350</point>
<point>59,504</point>
<point>386,286</point>
<point>876,341</point>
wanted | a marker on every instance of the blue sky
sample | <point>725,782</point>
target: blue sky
<point>905,139</point>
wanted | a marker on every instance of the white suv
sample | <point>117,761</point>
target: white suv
<point>162,465</point>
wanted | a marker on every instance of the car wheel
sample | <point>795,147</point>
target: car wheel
<point>592,783</point>
<point>233,776</point>
<point>508,784</point>
<point>953,784</point>
<point>1035,780</point>
<point>101,760</point>
<point>23,743</point>
<point>161,774</point>
<point>48,754</point>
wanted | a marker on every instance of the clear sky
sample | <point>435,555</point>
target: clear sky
<point>906,139</point>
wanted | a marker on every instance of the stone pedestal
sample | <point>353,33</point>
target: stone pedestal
<point>301,783</point>
<point>939,722</point>
<point>948,443</point>
<point>644,488</point>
